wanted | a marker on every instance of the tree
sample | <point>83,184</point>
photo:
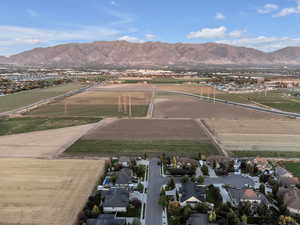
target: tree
<point>262,188</point>
<point>140,187</point>
<point>185,179</point>
<point>171,184</point>
<point>174,208</point>
<point>212,216</point>
<point>204,170</point>
<point>286,220</point>
<point>244,219</point>
<point>136,222</point>
<point>163,201</point>
<point>200,179</point>
<point>113,179</point>
<point>95,211</point>
<point>187,211</point>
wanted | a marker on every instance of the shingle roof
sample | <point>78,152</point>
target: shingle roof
<point>190,189</point>
<point>106,219</point>
<point>116,198</point>
<point>124,176</point>
<point>292,198</point>
<point>198,219</point>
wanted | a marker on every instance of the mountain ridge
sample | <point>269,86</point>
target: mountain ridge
<point>123,53</point>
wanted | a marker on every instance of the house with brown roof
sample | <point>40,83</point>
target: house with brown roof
<point>247,195</point>
<point>291,198</point>
<point>289,181</point>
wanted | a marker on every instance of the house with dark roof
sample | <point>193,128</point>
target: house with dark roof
<point>247,195</point>
<point>198,219</point>
<point>291,198</point>
<point>115,200</point>
<point>124,177</point>
<point>289,181</point>
<point>106,219</point>
<point>282,172</point>
<point>191,194</point>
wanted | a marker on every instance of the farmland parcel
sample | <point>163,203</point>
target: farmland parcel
<point>44,192</point>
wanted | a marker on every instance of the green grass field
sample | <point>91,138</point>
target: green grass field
<point>293,167</point>
<point>27,124</point>
<point>274,99</point>
<point>109,148</point>
<point>24,98</point>
<point>88,110</point>
<point>270,154</point>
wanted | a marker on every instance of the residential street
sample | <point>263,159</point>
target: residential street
<point>153,209</point>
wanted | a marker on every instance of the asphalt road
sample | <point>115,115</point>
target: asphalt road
<point>153,209</point>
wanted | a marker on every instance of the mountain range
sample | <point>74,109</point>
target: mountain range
<point>123,53</point>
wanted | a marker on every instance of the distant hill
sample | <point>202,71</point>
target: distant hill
<point>122,53</point>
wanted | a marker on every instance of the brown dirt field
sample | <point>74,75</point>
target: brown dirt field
<point>108,97</point>
<point>45,192</point>
<point>148,129</point>
<point>205,90</point>
<point>45,144</point>
<point>257,135</point>
<point>179,106</point>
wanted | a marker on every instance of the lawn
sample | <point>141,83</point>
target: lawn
<point>89,110</point>
<point>28,124</point>
<point>24,98</point>
<point>108,148</point>
<point>293,167</point>
<point>270,154</point>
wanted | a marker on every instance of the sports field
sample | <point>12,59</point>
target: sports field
<point>45,192</point>
<point>24,98</point>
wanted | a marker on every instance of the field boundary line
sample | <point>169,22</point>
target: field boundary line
<point>151,105</point>
<point>213,138</point>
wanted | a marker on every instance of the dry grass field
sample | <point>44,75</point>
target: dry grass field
<point>179,106</point>
<point>45,192</point>
<point>274,135</point>
<point>45,144</point>
<point>204,90</point>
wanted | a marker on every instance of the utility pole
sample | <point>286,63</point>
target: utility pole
<point>130,109</point>
<point>214,95</point>
<point>119,104</point>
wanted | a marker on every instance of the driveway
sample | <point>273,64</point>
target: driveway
<point>153,209</point>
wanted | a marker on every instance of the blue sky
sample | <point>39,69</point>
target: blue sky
<point>265,25</point>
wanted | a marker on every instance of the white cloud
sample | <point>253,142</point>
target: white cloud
<point>268,8</point>
<point>32,13</point>
<point>264,43</point>
<point>215,33</point>
<point>130,39</point>
<point>220,16</point>
<point>208,33</point>
<point>236,33</point>
<point>21,38</point>
<point>289,11</point>
<point>150,37</point>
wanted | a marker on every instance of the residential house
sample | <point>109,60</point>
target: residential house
<point>282,172</point>
<point>186,162</point>
<point>247,195</point>
<point>106,219</point>
<point>191,194</point>
<point>219,161</point>
<point>199,219</point>
<point>289,181</point>
<point>291,198</point>
<point>124,177</point>
<point>115,200</point>
<point>261,164</point>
